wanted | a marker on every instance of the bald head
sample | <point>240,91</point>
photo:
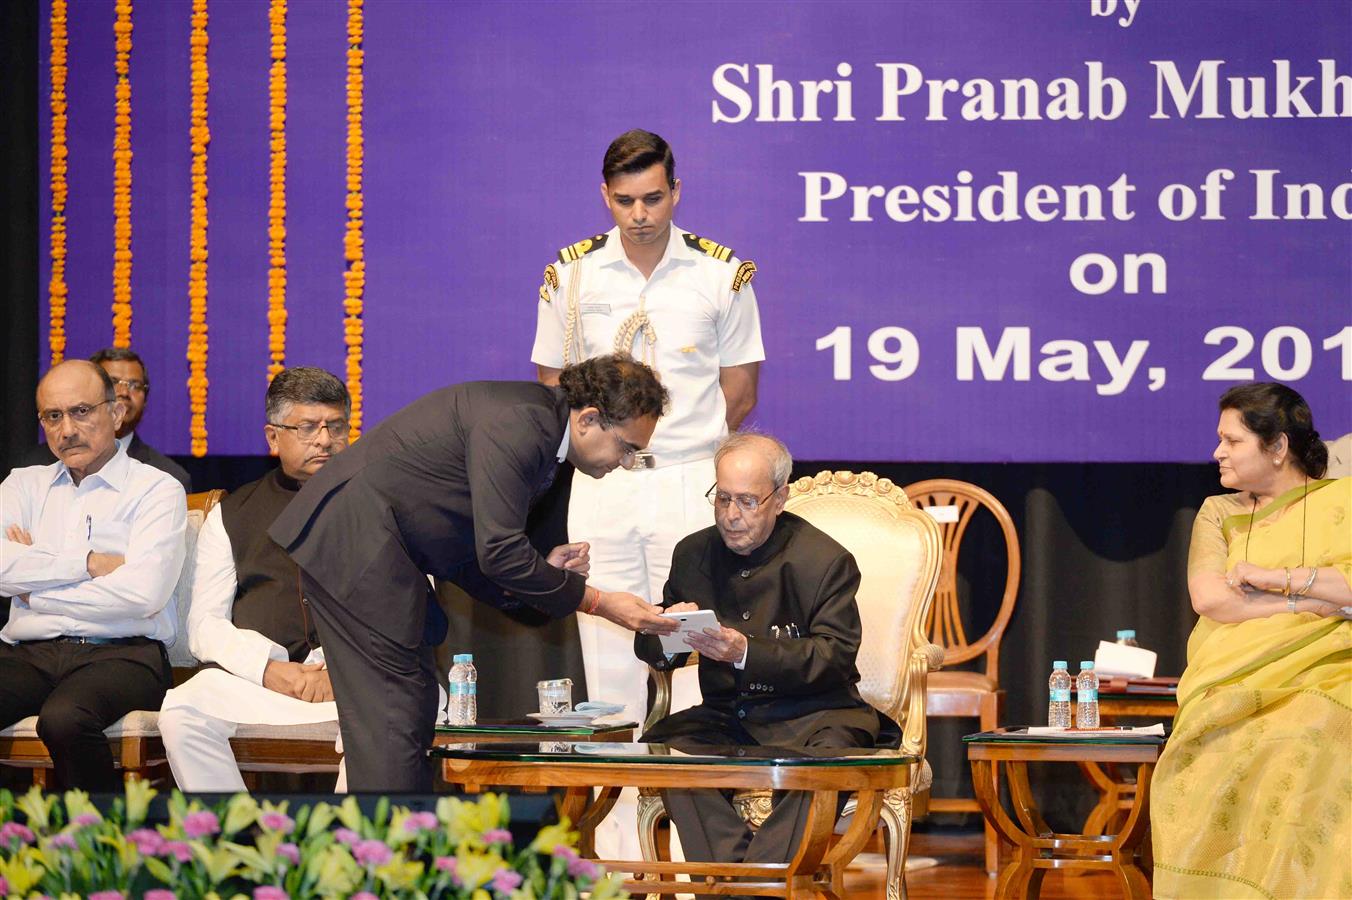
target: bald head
<point>763,450</point>
<point>76,371</point>
<point>753,471</point>
<point>80,413</point>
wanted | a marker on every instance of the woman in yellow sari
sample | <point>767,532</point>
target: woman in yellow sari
<point>1253,794</point>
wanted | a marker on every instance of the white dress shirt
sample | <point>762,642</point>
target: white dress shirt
<point>702,326</point>
<point>127,508</point>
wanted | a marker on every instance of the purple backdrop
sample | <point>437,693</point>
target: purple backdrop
<point>485,127</point>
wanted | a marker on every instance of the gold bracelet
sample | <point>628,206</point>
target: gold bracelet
<point>1309,582</point>
<point>1286,590</point>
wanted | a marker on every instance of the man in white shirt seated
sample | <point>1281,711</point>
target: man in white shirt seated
<point>249,619</point>
<point>91,551</point>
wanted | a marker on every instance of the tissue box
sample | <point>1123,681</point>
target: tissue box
<point>1118,659</point>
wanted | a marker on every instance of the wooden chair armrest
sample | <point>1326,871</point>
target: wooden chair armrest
<point>924,659</point>
<point>662,692</point>
<point>661,697</point>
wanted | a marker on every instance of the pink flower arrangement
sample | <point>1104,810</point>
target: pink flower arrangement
<point>159,894</point>
<point>84,820</point>
<point>497,836</point>
<point>372,853</point>
<point>200,824</point>
<point>275,821</point>
<point>347,836</point>
<point>269,892</point>
<point>12,832</point>
<point>289,852</point>
<point>421,821</point>
<point>506,880</point>
<point>148,841</point>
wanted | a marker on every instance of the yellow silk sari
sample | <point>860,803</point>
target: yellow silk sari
<point>1253,794</point>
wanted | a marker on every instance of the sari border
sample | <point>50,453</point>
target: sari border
<point>1230,524</point>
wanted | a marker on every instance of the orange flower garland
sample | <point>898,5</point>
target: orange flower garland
<point>57,289</point>
<point>354,247</point>
<point>199,137</point>
<point>122,178</point>
<point>277,191</point>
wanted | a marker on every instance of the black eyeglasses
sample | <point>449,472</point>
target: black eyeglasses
<point>745,502</point>
<point>51,418</point>
<point>338,429</point>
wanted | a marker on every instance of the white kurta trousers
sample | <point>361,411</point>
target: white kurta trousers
<point>200,716</point>
<point>633,521</point>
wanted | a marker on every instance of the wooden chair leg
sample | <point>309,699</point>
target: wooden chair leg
<point>991,709</point>
<point>896,815</point>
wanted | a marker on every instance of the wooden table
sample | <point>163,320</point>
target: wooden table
<point>1117,790</point>
<point>610,767</point>
<point>1037,847</point>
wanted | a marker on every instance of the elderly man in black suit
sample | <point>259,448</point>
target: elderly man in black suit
<point>132,384</point>
<point>443,488</point>
<point>780,669</point>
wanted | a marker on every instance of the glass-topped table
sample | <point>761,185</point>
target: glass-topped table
<point>579,767</point>
<point>1037,847</point>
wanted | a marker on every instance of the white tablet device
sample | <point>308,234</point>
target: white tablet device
<point>693,621</point>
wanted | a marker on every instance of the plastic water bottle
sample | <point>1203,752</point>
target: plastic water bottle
<point>463,690</point>
<point>1086,696</point>
<point>1058,709</point>
<point>1127,637</point>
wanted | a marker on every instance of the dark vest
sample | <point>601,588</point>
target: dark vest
<point>267,596</point>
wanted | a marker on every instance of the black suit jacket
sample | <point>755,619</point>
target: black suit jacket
<point>42,455</point>
<point>799,576</point>
<point>443,488</point>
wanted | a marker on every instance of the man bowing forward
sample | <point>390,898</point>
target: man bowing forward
<point>443,488</point>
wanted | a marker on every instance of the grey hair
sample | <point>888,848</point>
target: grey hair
<point>305,384</point>
<point>772,448</point>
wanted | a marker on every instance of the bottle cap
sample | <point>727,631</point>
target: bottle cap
<point>462,658</point>
<point>1059,664</point>
<point>1126,633</point>
<point>1087,664</point>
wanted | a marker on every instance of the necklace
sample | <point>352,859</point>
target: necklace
<point>1252,512</point>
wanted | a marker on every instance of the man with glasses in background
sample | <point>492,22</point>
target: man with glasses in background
<point>132,384</point>
<point>91,551</point>
<point>780,668</point>
<point>248,614</point>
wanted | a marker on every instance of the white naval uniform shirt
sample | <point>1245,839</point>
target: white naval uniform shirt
<point>126,507</point>
<point>702,326</point>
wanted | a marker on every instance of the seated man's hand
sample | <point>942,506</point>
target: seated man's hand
<point>315,685</point>
<point>18,535</point>
<point>722,644</point>
<point>634,613</point>
<point>571,558</point>
<point>304,682</point>
<point>685,606</point>
<point>100,564</point>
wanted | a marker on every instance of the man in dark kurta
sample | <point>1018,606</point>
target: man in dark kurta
<point>444,488</point>
<point>248,621</point>
<point>780,670</point>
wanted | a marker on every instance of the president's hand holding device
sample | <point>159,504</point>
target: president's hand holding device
<point>692,621</point>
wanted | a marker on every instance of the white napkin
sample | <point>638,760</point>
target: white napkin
<point>1119,659</point>
<point>597,708</point>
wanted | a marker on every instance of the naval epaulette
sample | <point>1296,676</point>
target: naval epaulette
<point>582,248</point>
<point>708,247</point>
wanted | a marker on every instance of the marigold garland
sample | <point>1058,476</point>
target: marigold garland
<point>199,137</point>
<point>354,244</point>
<point>122,178</point>
<point>277,190</point>
<point>57,289</point>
